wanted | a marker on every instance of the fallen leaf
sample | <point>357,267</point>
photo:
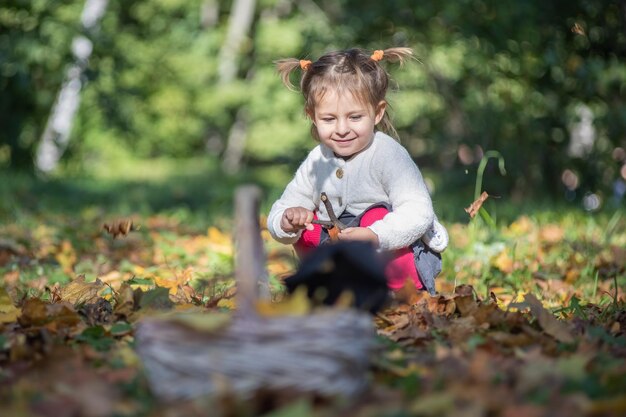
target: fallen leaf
<point>434,404</point>
<point>78,291</point>
<point>441,305</point>
<point>8,312</point>
<point>157,298</point>
<point>34,313</point>
<point>175,281</point>
<point>503,262</point>
<point>66,256</point>
<point>476,205</point>
<point>550,324</point>
<point>551,234</point>
<point>521,226</point>
<point>295,304</point>
<point>219,241</point>
<point>207,322</point>
<point>62,316</point>
<point>124,302</point>
<point>229,303</point>
<point>466,304</point>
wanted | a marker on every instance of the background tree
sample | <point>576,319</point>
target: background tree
<point>511,77</point>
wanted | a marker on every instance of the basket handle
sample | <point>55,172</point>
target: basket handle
<point>250,273</point>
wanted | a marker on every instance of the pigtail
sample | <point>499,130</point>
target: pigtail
<point>285,67</point>
<point>399,55</point>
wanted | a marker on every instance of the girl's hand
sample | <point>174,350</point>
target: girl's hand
<point>359,233</point>
<point>296,218</point>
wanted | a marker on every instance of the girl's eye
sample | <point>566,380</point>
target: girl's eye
<point>356,117</point>
<point>327,119</point>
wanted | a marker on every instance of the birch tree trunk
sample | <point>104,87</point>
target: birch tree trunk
<point>209,13</point>
<point>239,25</point>
<point>56,134</point>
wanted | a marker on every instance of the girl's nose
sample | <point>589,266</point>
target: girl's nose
<point>342,128</point>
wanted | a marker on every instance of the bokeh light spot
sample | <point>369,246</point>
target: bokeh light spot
<point>592,202</point>
<point>570,179</point>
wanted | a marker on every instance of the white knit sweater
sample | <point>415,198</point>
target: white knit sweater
<point>383,172</point>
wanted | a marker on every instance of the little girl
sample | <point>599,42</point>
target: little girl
<point>370,179</point>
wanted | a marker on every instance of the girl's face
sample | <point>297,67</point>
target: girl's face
<point>345,124</point>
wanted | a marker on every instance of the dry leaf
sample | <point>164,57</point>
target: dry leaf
<point>78,291</point>
<point>124,301</point>
<point>333,233</point>
<point>476,205</point>
<point>8,312</point>
<point>550,324</point>
<point>578,29</point>
<point>119,227</point>
<point>441,305</point>
<point>408,294</point>
<point>34,313</point>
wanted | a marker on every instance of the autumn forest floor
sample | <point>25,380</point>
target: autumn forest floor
<point>530,319</point>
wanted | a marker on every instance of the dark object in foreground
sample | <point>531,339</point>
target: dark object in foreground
<point>238,357</point>
<point>333,269</point>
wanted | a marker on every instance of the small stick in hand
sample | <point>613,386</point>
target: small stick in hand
<point>334,226</point>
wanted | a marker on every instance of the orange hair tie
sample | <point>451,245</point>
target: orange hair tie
<point>305,64</point>
<point>378,55</point>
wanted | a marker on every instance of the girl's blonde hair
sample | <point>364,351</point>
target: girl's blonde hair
<point>352,70</point>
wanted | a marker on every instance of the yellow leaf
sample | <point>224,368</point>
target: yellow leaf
<point>66,257</point>
<point>229,303</point>
<point>204,322</point>
<point>220,242</point>
<point>176,281</point>
<point>434,404</point>
<point>8,312</point>
<point>503,262</point>
<point>521,226</point>
<point>279,268</point>
<point>296,304</point>
<point>114,278</point>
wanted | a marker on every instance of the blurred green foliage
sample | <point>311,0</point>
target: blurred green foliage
<point>507,76</point>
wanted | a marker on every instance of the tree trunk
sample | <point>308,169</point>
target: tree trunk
<point>56,135</point>
<point>209,13</point>
<point>239,25</point>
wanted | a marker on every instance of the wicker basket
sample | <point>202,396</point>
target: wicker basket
<point>325,353</point>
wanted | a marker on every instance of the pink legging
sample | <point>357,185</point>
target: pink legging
<point>399,268</point>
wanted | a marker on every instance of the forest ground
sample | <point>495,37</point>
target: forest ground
<point>530,319</point>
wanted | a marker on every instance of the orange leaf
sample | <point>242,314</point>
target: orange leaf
<point>552,234</point>
<point>333,232</point>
